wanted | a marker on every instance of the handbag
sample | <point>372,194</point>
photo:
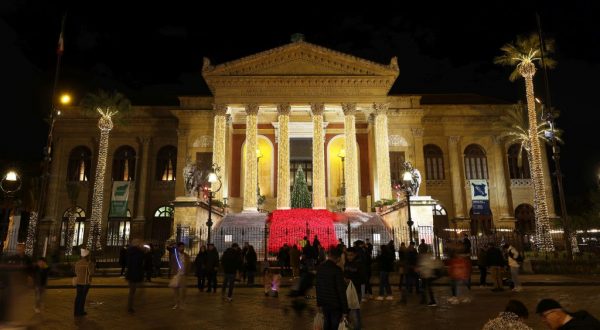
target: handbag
<point>352,296</point>
<point>175,281</point>
<point>318,321</point>
<point>344,324</point>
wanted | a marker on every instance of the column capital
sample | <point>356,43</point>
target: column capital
<point>219,109</point>
<point>417,132</point>
<point>284,109</point>
<point>454,139</point>
<point>317,109</point>
<point>251,109</point>
<point>380,108</point>
<point>349,109</point>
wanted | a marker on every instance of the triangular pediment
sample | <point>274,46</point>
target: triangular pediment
<point>300,59</point>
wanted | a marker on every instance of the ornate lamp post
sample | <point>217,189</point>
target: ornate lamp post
<point>213,178</point>
<point>407,185</point>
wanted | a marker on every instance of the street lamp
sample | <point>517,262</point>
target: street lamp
<point>213,178</point>
<point>11,182</point>
<point>407,184</point>
<point>549,118</point>
<point>342,155</point>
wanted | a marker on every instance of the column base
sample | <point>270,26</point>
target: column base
<point>250,210</point>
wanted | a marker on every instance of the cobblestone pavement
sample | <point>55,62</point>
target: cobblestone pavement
<point>250,309</point>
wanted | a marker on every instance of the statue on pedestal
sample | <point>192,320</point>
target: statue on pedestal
<point>193,177</point>
<point>416,178</point>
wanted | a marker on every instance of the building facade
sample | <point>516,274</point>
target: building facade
<point>299,105</point>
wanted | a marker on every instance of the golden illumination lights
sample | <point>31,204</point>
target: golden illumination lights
<point>33,220</point>
<point>318,184</point>
<point>70,231</point>
<point>65,99</point>
<point>283,158</point>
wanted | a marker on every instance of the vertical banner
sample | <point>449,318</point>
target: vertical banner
<point>119,197</point>
<point>480,196</point>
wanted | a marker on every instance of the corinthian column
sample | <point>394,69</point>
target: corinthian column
<point>251,177</point>
<point>283,158</point>
<point>500,179</point>
<point>318,182</point>
<point>351,170</point>
<point>382,152</point>
<point>219,138</point>
<point>455,176</point>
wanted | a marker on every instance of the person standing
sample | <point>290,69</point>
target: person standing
<point>331,291</point>
<point>512,255</point>
<point>212,266</point>
<point>295,260</point>
<point>354,271</point>
<point>251,259</point>
<point>135,270</point>
<point>180,265</point>
<point>495,262</point>
<point>423,247</point>
<point>427,268</point>
<point>40,280</point>
<point>482,264</point>
<point>200,265</point>
<point>466,244</point>
<point>231,264</point>
<point>84,269</point>
<point>385,260</point>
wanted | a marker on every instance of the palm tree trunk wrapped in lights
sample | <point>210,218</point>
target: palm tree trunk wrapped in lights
<point>31,229</point>
<point>70,231</point>
<point>107,105</point>
<point>523,53</point>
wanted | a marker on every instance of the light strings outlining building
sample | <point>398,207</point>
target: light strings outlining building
<point>298,105</point>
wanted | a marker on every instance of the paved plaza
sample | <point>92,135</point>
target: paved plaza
<point>250,309</point>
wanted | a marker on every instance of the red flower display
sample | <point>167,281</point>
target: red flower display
<point>290,226</point>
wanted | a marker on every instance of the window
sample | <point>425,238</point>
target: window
<point>434,162</point>
<point>439,210</point>
<point>118,230</point>
<point>166,163</point>
<point>124,164</point>
<point>164,212</point>
<point>396,166</point>
<point>518,169</point>
<point>79,164</point>
<point>475,162</point>
<point>79,228</point>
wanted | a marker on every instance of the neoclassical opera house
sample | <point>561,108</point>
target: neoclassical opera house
<point>266,115</point>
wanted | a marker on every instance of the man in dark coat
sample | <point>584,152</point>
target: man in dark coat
<point>231,261</point>
<point>495,262</point>
<point>331,291</point>
<point>212,266</point>
<point>135,270</point>
<point>123,258</point>
<point>556,317</point>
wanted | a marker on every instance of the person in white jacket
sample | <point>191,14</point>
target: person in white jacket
<point>512,256</point>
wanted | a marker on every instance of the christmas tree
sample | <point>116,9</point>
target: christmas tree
<point>301,197</point>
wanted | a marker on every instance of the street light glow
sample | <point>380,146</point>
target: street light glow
<point>11,176</point>
<point>65,99</point>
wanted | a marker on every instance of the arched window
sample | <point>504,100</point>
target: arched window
<point>124,164</point>
<point>166,163</point>
<point>79,228</point>
<point>440,218</point>
<point>439,210</point>
<point>434,162</point>
<point>164,212</point>
<point>518,169</point>
<point>475,162</point>
<point>80,160</point>
<point>118,230</point>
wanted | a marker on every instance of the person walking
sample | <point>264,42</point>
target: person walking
<point>331,291</point>
<point>251,260</point>
<point>200,265</point>
<point>84,269</point>
<point>428,267</point>
<point>40,280</point>
<point>123,259</point>
<point>180,265</point>
<point>556,317</point>
<point>482,265</point>
<point>354,270</point>
<point>295,260</point>
<point>513,257</point>
<point>148,263</point>
<point>231,264</point>
<point>385,261</point>
<point>135,270</point>
<point>212,266</point>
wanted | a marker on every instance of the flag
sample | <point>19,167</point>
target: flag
<point>61,44</point>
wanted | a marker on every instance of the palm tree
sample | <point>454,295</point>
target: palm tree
<point>523,54</point>
<point>106,105</point>
<point>34,196</point>
<point>516,131</point>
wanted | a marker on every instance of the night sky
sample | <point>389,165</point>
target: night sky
<point>153,52</point>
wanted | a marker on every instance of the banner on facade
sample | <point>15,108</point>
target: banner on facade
<point>119,198</point>
<point>480,196</point>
